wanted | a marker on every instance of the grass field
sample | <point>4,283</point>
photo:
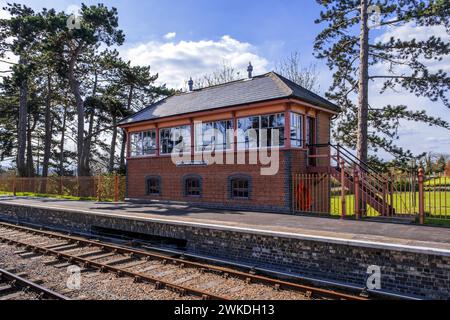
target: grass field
<point>44,195</point>
<point>442,181</point>
<point>437,204</point>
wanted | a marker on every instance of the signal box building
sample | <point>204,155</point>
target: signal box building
<point>180,125</point>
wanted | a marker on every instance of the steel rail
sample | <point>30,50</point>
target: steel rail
<point>87,263</point>
<point>247,276</point>
<point>18,281</point>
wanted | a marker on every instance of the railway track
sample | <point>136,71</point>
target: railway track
<point>177,274</point>
<point>15,287</point>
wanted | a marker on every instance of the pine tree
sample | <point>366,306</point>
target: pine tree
<point>352,54</point>
<point>98,25</point>
<point>24,28</point>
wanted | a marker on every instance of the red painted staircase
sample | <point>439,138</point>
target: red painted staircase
<point>373,186</point>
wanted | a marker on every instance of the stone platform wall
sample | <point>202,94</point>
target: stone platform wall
<point>403,271</point>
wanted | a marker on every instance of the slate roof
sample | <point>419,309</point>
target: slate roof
<point>269,86</point>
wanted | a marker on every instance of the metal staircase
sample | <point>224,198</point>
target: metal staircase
<point>357,177</point>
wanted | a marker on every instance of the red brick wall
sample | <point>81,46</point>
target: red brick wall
<point>271,192</point>
<point>267,191</point>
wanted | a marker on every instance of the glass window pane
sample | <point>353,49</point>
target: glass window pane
<point>214,135</point>
<point>153,186</point>
<point>239,188</point>
<point>177,139</point>
<point>296,129</point>
<point>192,187</point>
<point>149,142</point>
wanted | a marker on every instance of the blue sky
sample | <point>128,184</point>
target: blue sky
<point>274,26</point>
<point>180,39</point>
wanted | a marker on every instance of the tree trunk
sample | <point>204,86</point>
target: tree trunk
<point>363,83</point>
<point>48,129</point>
<point>122,151</point>
<point>75,87</point>
<point>22,128</point>
<point>61,144</point>
<point>87,145</point>
<point>29,158</point>
<point>363,91</point>
<point>86,157</point>
<point>124,136</point>
<point>113,143</point>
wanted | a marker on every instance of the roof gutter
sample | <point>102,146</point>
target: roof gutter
<point>302,102</point>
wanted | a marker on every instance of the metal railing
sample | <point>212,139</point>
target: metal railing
<point>404,195</point>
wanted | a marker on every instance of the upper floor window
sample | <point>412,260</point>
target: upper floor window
<point>217,135</point>
<point>176,139</point>
<point>259,131</point>
<point>296,129</point>
<point>192,186</point>
<point>143,143</point>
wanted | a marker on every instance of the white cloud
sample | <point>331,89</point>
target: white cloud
<point>177,61</point>
<point>4,14</point>
<point>73,9</point>
<point>411,31</point>
<point>170,35</point>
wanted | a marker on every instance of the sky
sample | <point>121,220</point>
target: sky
<point>182,39</point>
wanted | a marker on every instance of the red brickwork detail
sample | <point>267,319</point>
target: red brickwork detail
<point>266,190</point>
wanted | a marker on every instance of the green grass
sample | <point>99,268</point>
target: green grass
<point>442,181</point>
<point>437,204</point>
<point>57,196</point>
<point>438,222</point>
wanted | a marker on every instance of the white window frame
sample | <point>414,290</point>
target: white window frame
<point>172,130</point>
<point>199,135</point>
<point>298,129</point>
<point>142,135</point>
<point>258,142</point>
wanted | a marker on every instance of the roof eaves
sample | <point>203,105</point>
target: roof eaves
<point>212,109</point>
<point>123,121</point>
<point>324,102</point>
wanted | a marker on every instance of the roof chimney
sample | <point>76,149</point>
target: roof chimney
<point>191,84</point>
<point>250,70</point>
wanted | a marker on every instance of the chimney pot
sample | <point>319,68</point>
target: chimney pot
<point>250,70</point>
<point>191,84</point>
